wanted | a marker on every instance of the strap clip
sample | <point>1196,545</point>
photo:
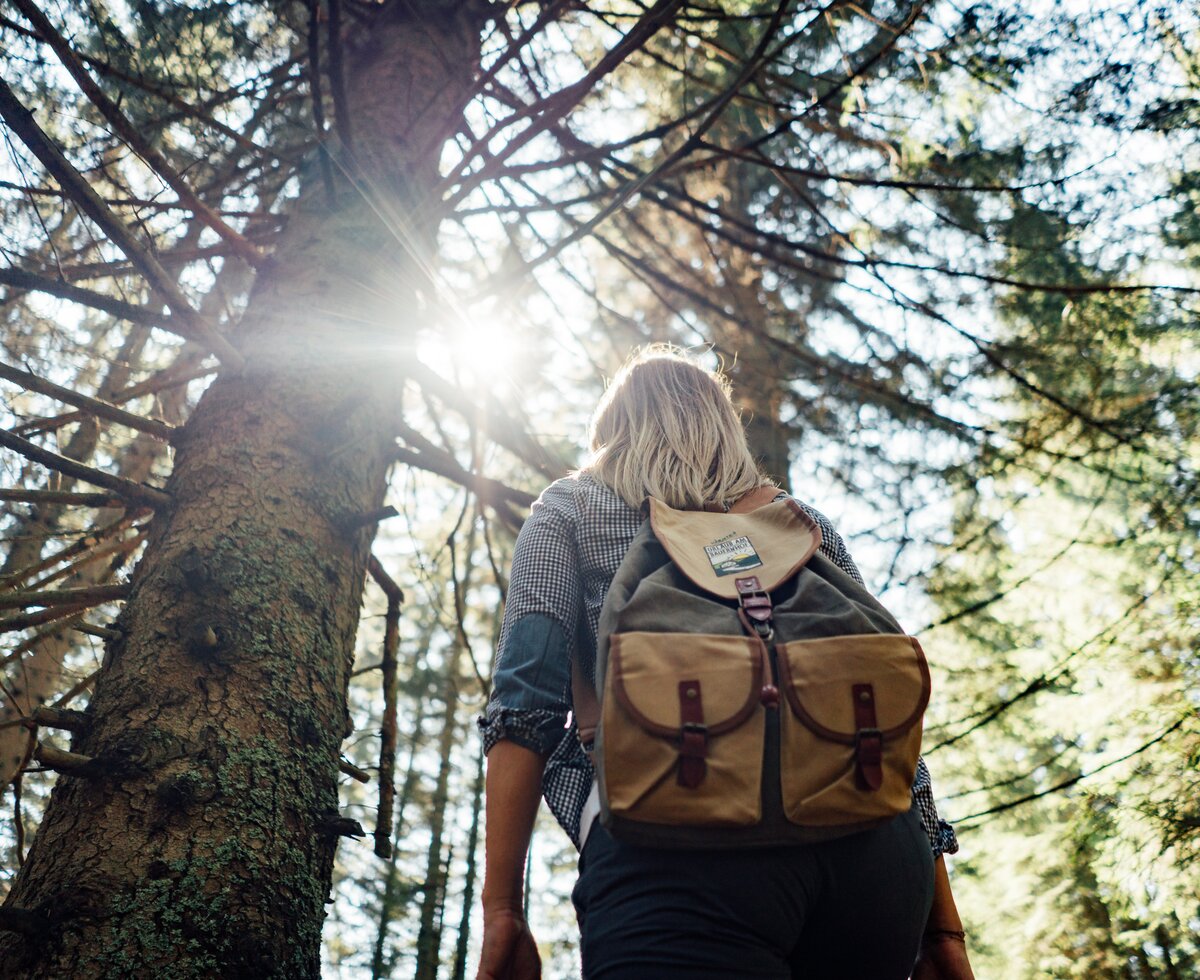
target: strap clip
<point>754,607</point>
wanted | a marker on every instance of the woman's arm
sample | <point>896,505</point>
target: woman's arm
<point>943,951</point>
<point>514,786</point>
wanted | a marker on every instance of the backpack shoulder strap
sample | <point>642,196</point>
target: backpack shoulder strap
<point>585,704</point>
<point>759,497</point>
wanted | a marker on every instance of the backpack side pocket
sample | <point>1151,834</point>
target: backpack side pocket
<point>851,733</point>
<point>682,729</point>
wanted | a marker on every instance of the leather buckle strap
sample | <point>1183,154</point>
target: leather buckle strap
<point>868,739</point>
<point>693,736</point>
<point>754,606</point>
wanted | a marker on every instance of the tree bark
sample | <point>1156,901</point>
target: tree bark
<point>201,843</point>
<point>395,897</point>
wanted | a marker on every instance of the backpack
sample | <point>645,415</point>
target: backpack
<point>750,692</point>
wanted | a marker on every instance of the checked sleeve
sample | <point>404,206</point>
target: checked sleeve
<point>531,683</point>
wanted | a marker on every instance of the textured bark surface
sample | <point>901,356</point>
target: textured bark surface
<point>199,845</point>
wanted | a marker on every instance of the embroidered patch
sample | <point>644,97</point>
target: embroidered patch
<point>732,555</point>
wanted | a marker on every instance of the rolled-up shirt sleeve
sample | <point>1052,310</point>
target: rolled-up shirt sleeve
<point>530,697</point>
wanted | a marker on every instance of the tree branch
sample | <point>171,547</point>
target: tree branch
<point>24,621</point>
<point>93,406</point>
<point>499,496</point>
<point>126,130</point>
<point>21,121</point>
<point>137,492</point>
<point>142,315</point>
<point>388,734</point>
<point>965,824</point>
<point>61,497</point>
<point>496,422</point>
<point>91,595</point>
<point>159,381</point>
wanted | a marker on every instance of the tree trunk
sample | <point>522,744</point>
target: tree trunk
<point>200,841</point>
<point>433,892</point>
<point>394,898</point>
<point>468,903</point>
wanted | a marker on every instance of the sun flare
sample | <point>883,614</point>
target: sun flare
<point>483,353</point>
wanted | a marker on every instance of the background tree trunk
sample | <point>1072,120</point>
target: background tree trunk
<point>433,892</point>
<point>200,841</point>
<point>396,893</point>
<point>459,970</point>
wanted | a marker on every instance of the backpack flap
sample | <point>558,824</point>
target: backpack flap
<point>714,549</point>
<point>681,716</point>
<point>852,732</point>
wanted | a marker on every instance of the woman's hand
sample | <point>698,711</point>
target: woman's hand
<point>944,960</point>
<point>509,951</point>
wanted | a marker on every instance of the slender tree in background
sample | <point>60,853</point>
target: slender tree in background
<point>914,231</point>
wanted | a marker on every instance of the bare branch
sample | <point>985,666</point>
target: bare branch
<point>21,121</point>
<point>388,734</point>
<point>66,719</point>
<point>550,110</point>
<point>314,83</point>
<point>91,595</point>
<point>137,492</point>
<point>159,381</point>
<point>496,421</point>
<point>63,762</point>
<point>751,67</point>
<point>100,632</point>
<point>143,315</point>
<point>26,621</point>
<point>62,497</point>
<point>184,110</point>
<point>94,406</point>
<point>494,493</point>
<point>81,548</point>
<point>128,132</point>
<point>351,770</point>
<point>337,81</point>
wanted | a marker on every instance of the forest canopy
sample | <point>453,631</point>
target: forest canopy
<point>304,303</point>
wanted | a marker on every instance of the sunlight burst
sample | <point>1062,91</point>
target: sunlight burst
<point>482,353</point>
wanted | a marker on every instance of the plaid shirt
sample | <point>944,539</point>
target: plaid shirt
<point>566,555</point>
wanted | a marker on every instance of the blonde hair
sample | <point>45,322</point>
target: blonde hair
<point>666,428</point>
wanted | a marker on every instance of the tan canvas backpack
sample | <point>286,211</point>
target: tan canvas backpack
<point>751,693</point>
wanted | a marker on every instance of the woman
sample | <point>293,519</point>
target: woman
<point>857,908</point>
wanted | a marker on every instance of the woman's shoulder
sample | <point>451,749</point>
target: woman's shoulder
<point>580,499</point>
<point>581,494</point>
<point>833,545</point>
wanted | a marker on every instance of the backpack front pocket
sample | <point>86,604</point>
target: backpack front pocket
<point>851,733</point>
<point>682,729</point>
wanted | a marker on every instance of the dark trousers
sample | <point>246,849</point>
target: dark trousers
<point>849,909</point>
